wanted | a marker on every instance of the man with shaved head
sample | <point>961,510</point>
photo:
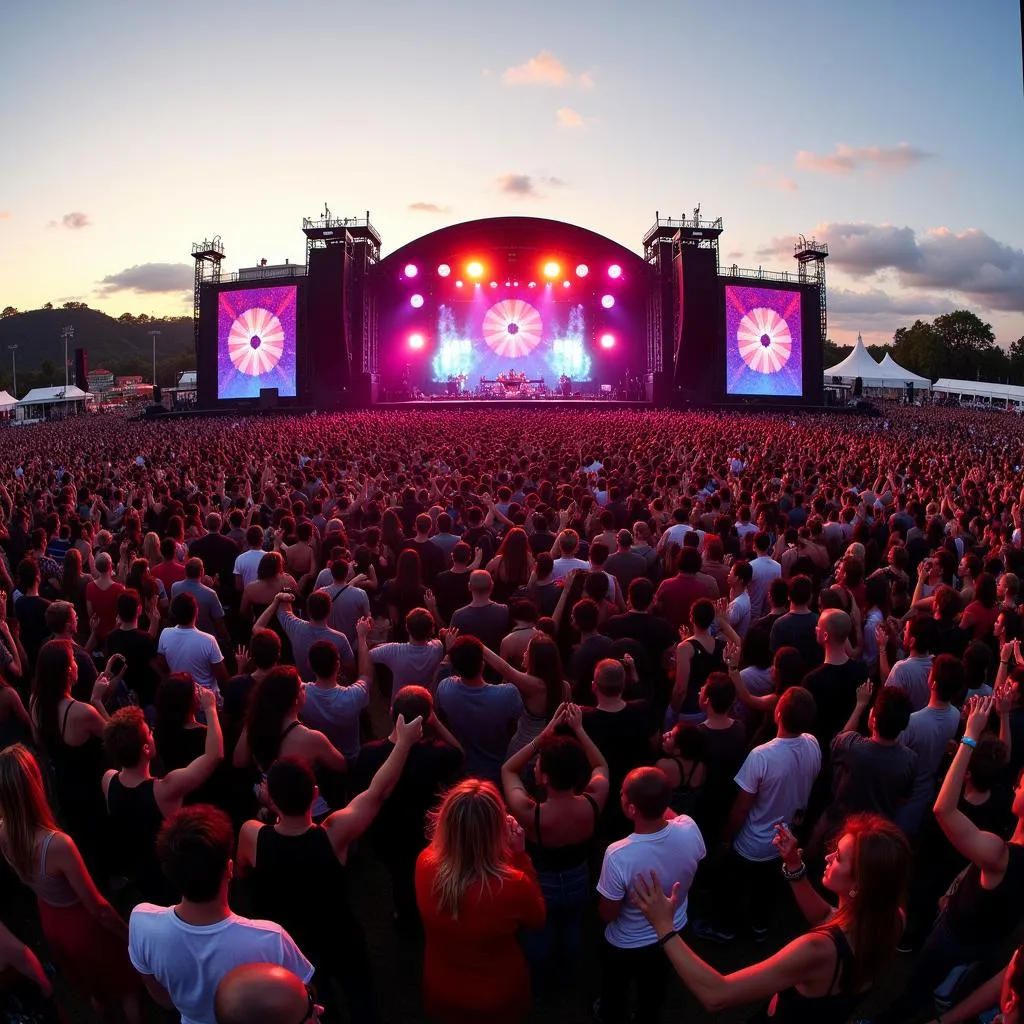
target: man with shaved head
<point>263,994</point>
<point>483,618</point>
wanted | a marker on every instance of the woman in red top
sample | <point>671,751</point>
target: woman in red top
<point>981,614</point>
<point>475,888</point>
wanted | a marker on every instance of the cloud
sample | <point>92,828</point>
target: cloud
<point>150,278</point>
<point>5,214</point>
<point>848,159</point>
<point>875,302</point>
<point>428,208</point>
<point>735,256</point>
<point>546,69</point>
<point>569,118</point>
<point>72,221</point>
<point>524,186</point>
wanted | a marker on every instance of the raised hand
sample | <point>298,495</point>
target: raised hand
<point>515,835</point>
<point>652,902</point>
<point>363,627</point>
<point>732,655</point>
<point>409,733</point>
<point>979,709</point>
<point>864,692</point>
<point>785,842</point>
<point>207,700</point>
<point>573,717</point>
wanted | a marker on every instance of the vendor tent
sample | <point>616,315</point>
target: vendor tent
<point>893,371</point>
<point>858,363</point>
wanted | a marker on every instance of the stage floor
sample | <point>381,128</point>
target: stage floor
<point>514,403</point>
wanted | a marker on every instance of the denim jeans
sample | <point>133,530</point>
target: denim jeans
<point>557,944</point>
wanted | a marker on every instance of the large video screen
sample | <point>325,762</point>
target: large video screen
<point>763,342</point>
<point>495,333</point>
<point>256,342</point>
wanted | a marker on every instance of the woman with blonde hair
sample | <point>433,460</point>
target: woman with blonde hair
<point>85,935</point>
<point>475,888</point>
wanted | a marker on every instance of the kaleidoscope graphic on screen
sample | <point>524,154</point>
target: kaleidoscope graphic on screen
<point>763,342</point>
<point>256,342</point>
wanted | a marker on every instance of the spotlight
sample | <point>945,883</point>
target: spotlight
<point>552,269</point>
<point>411,270</point>
<point>582,270</point>
<point>494,284</point>
<point>444,270</point>
<point>416,301</point>
<point>475,269</point>
<point>417,341</point>
<point>607,341</point>
<point>458,284</point>
<point>515,284</point>
<point>532,284</point>
<point>607,301</point>
<point>508,284</point>
<point>565,284</point>
<point>615,271</point>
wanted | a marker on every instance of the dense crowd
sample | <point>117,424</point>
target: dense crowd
<point>608,696</point>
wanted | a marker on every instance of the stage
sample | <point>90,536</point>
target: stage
<point>465,404</point>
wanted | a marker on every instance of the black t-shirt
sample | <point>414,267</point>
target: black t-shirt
<point>488,623</point>
<point>31,614</point>
<point>429,769</point>
<point>654,633</point>
<point>541,542</point>
<point>834,688</point>
<point>798,630</point>
<point>218,554</point>
<point>139,650</point>
<point>583,662</point>
<point>545,596</point>
<point>869,777</point>
<point>451,591</point>
<point>432,560</point>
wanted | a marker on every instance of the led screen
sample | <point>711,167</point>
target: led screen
<point>763,342</point>
<point>494,333</point>
<point>256,342</point>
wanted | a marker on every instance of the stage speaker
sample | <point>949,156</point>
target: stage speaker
<point>81,369</point>
<point>858,387</point>
<point>268,398</point>
<point>158,394</point>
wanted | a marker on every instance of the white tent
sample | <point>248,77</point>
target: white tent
<point>893,371</point>
<point>7,402</point>
<point>40,401</point>
<point>859,363</point>
<point>980,389</point>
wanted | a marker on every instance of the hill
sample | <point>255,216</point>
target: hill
<point>121,345</point>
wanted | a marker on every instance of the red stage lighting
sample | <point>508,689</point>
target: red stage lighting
<point>607,341</point>
<point>444,270</point>
<point>532,284</point>
<point>582,270</point>
<point>411,270</point>
<point>565,284</point>
<point>416,301</point>
<point>475,269</point>
<point>615,271</point>
<point>417,341</point>
<point>607,301</point>
<point>458,284</point>
<point>552,269</point>
<point>494,284</point>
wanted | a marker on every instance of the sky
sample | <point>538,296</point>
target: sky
<point>892,131</point>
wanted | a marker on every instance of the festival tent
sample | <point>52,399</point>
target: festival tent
<point>859,363</point>
<point>893,371</point>
<point>7,402</point>
<point>40,402</point>
<point>987,390</point>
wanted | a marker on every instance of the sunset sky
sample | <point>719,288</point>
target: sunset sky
<point>894,131</point>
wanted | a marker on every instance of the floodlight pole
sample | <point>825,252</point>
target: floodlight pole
<point>14,367</point>
<point>154,335</point>
<point>67,334</point>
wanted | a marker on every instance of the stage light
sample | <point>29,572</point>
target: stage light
<point>582,270</point>
<point>515,284</point>
<point>532,284</point>
<point>508,284</point>
<point>458,284</point>
<point>411,270</point>
<point>475,269</point>
<point>607,341</point>
<point>552,269</point>
<point>416,301</point>
<point>607,301</point>
<point>417,341</point>
<point>494,284</point>
<point>444,270</point>
<point>565,284</point>
<point>615,271</point>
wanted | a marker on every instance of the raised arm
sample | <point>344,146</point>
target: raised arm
<point>177,784</point>
<point>989,852</point>
<point>523,681</point>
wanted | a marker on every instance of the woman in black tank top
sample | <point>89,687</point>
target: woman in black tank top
<point>560,831</point>
<point>820,977</point>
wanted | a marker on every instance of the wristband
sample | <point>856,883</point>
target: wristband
<point>667,938</point>
<point>794,876</point>
<point>968,742</point>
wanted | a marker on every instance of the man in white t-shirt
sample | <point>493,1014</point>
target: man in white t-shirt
<point>565,549</point>
<point>775,784</point>
<point>248,562</point>
<point>738,613</point>
<point>662,842</point>
<point>185,648</point>
<point>764,569</point>
<point>182,952</point>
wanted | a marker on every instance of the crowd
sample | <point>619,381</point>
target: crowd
<point>609,697</point>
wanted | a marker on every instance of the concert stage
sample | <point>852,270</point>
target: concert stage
<point>469,404</point>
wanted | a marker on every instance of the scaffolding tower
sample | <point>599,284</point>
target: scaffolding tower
<point>208,255</point>
<point>810,256</point>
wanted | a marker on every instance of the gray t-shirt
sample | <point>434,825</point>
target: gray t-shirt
<point>481,718</point>
<point>210,608</point>
<point>488,623</point>
<point>927,734</point>
<point>303,635</point>
<point>348,605</point>
<point>335,712</point>
<point>911,676</point>
<point>410,664</point>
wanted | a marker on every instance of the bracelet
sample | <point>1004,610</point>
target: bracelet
<point>968,742</point>
<point>667,938</point>
<point>794,876</point>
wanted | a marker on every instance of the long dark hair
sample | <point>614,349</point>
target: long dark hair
<point>406,588</point>
<point>544,662</point>
<point>514,567</point>
<point>872,916</point>
<point>50,686</point>
<point>275,695</point>
<point>175,706</point>
<point>392,536</point>
<point>71,581</point>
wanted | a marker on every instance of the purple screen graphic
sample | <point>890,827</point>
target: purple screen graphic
<point>256,342</point>
<point>763,342</point>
